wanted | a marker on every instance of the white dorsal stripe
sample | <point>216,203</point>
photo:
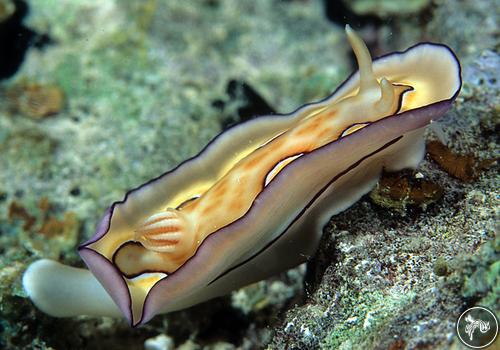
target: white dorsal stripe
<point>353,128</point>
<point>278,167</point>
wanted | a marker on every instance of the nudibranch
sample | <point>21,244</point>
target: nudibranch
<point>254,201</point>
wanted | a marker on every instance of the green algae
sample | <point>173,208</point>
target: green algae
<point>68,77</point>
<point>481,275</point>
<point>372,312</point>
<point>441,267</point>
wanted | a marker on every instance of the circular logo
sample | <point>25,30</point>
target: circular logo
<point>477,327</point>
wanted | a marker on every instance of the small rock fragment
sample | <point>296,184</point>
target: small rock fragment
<point>441,267</point>
<point>463,167</point>
<point>53,227</point>
<point>160,342</point>
<point>7,8</point>
<point>36,100</point>
<point>398,344</point>
<point>18,211</point>
<point>396,191</point>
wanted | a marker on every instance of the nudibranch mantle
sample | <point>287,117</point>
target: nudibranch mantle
<point>254,201</point>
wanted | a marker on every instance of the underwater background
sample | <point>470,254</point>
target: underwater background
<point>97,97</point>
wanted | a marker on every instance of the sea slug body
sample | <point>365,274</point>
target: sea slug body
<point>254,201</point>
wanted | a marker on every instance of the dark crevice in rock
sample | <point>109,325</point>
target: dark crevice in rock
<point>16,39</point>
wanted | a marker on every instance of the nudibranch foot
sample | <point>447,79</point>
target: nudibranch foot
<point>64,291</point>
